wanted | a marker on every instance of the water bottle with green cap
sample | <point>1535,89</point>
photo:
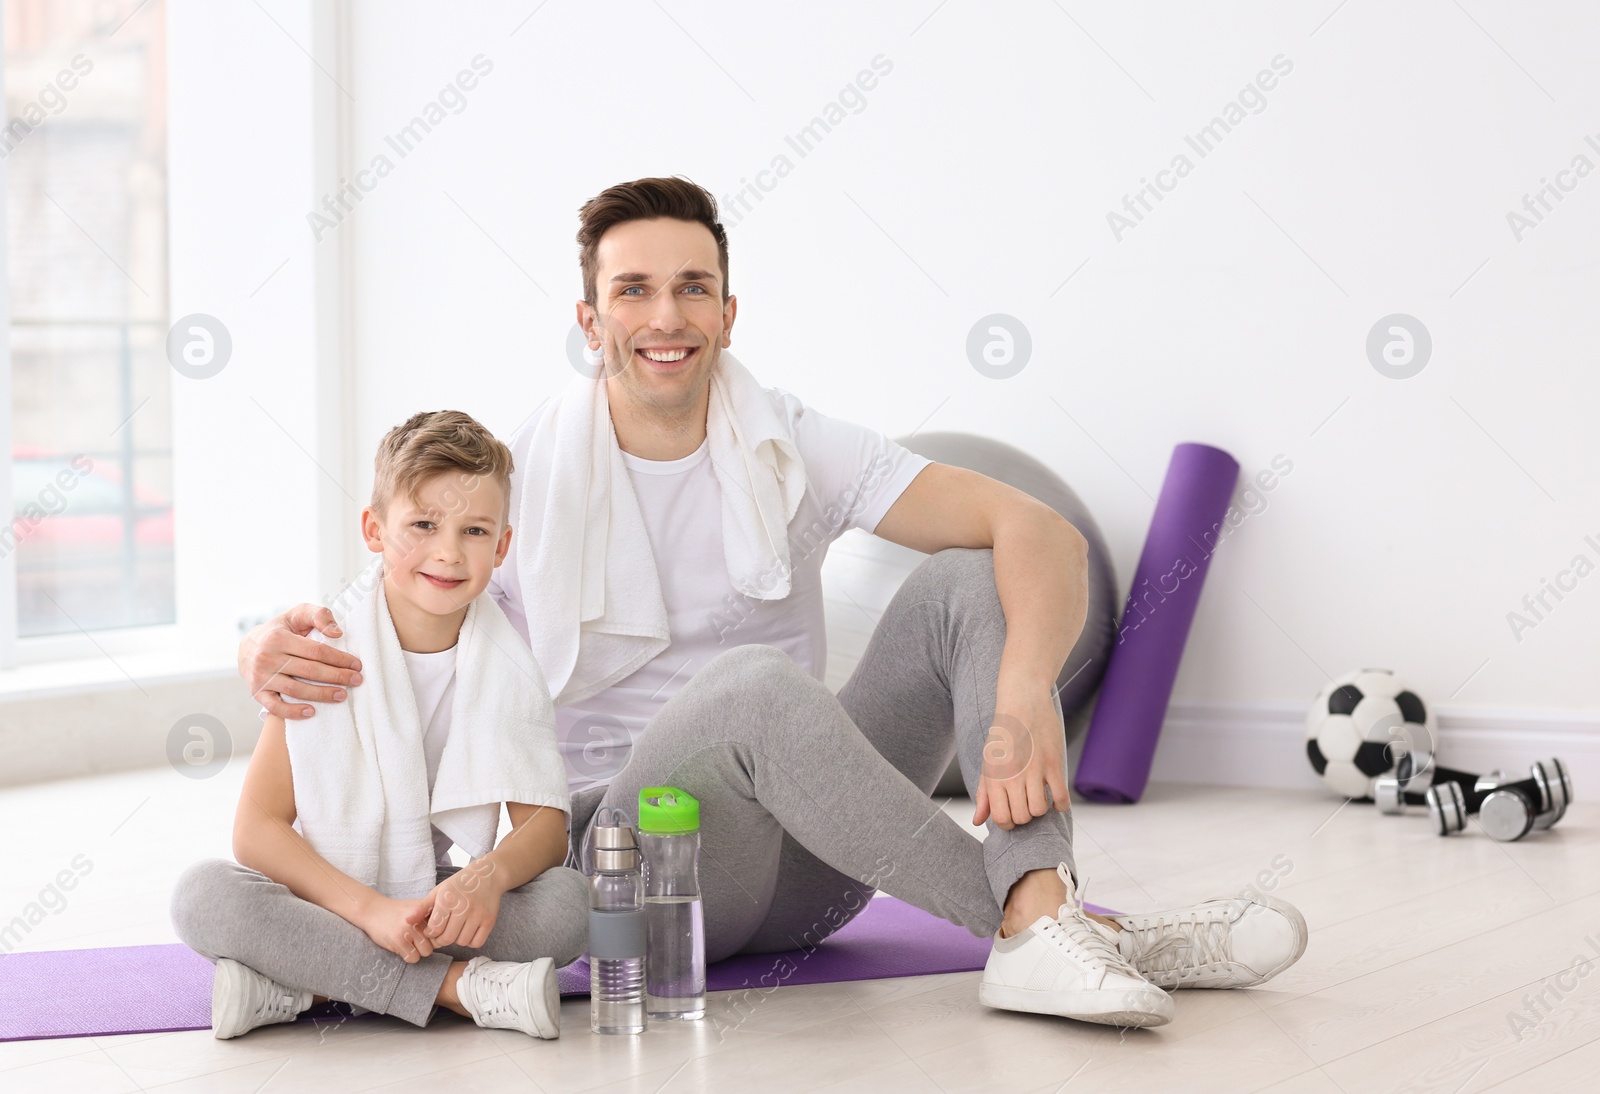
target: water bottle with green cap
<point>675,953</point>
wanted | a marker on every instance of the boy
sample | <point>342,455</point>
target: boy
<point>358,901</point>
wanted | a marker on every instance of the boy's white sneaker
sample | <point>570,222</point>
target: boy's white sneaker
<point>1070,966</point>
<point>522,995</point>
<point>243,999</point>
<point>1229,943</point>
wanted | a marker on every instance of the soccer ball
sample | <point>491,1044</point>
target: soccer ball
<point>1359,727</point>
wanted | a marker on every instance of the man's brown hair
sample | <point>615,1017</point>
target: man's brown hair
<point>645,199</point>
<point>434,442</point>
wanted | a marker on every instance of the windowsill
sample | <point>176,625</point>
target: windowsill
<point>87,645</point>
<point>112,671</point>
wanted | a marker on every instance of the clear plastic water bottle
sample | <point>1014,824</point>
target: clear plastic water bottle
<point>675,963</point>
<point>616,928</point>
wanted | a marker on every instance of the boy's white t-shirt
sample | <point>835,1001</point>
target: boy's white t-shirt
<point>853,476</point>
<point>433,682</point>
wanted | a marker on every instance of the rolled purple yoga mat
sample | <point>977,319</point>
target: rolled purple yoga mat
<point>1184,533</point>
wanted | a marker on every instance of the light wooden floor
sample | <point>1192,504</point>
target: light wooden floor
<point>1421,952</point>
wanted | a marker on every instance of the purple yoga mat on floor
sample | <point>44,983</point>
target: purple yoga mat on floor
<point>1188,525</point>
<point>157,989</point>
<point>890,938</point>
<point>123,989</point>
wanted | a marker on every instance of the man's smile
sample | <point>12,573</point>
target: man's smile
<point>667,358</point>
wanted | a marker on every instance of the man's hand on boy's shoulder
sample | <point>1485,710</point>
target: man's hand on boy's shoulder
<point>276,652</point>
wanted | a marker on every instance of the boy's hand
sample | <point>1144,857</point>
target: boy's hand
<point>390,923</point>
<point>461,909</point>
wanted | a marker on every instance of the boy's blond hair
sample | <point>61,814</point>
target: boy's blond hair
<point>434,442</point>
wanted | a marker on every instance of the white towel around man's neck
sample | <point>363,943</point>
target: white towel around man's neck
<point>594,606</point>
<point>360,774</point>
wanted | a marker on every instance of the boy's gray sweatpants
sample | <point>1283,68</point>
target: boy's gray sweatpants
<point>809,802</point>
<point>221,909</point>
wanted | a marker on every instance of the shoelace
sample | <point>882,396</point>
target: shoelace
<point>1186,943</point>
<point>491,991</point>
<point>1073,923</point>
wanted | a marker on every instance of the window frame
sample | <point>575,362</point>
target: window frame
<point>259,451</point>
<point>8,562</point>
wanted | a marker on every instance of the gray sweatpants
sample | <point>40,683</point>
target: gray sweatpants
<point>809,802</point>
<point>221,909</point>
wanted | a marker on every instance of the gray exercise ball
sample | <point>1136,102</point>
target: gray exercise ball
<point>863,572</point>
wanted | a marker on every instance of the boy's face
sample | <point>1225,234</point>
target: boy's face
<point>441,547</point>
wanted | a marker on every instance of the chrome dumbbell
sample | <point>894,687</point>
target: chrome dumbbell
<point>1553,775</point>
<point>1550,779</point>
<point>1507,810</point>
<point>1413,776</point>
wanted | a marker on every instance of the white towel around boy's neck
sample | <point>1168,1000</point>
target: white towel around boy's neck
<point>360,774</point>
<point>589,579</point>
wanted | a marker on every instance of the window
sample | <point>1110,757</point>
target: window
<point>90,460</point>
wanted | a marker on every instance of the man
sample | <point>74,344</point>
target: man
<point>672,518</point>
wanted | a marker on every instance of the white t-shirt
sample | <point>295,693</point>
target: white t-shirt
<point>853,476</point>
<point>433,682</point>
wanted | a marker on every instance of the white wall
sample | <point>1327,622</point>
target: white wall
<point>989,157</point>
<point>977,177</point>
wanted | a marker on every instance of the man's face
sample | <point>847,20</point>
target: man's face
<point>658,295</point>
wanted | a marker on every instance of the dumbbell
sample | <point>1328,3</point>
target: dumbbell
<point>1507,810</point>
<point>1555,789</point>
<point>1409,784</point>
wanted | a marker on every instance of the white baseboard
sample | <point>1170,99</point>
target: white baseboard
<point>1263,744</point>
<point>92,730</point>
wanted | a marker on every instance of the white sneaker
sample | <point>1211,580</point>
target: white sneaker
<point>1230,943</point>
<point>1070,966</point>
<point>522,995</point>
<point>243,999</point>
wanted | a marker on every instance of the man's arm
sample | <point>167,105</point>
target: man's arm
<point>1041,572</point>
<point>264,840</point>
<point>277,651</point>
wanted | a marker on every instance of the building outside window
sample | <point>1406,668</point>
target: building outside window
<point>90,461</point>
